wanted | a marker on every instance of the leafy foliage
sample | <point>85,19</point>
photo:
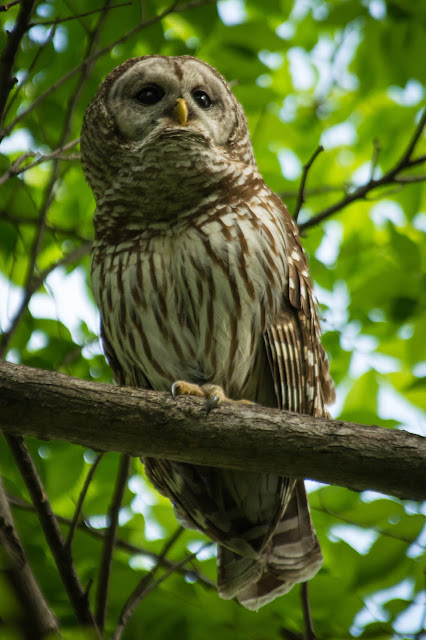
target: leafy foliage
<point>347,74</point>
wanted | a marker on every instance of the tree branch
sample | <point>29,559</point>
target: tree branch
<point>99,534</point>
<point>136,596</point>
<point>39,620</point>
<point>139,591</point>
<point>109,542</point>
<point>391,177</point>
<point>81,498</point>
<point>7,59</point>
<point>45,23</point>
<point>250,437</point>
<point>16,167</point>
<point>52,532</point>
<point>301,195</point>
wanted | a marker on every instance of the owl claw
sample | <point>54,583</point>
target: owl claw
<point>173,390</point>
<point>212,403</point>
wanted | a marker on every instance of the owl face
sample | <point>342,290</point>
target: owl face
<point>161,125</point>
<point>182,96</point>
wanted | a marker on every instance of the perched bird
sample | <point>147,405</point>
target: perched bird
<point>203,284</point>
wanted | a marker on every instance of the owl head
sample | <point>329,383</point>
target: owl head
<point>156,119</point>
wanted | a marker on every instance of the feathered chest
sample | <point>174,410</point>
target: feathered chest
<point>193,302</point>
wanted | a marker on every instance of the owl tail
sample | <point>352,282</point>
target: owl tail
<point>292,555</point>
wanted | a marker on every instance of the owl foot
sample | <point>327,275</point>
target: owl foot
<point>214,393</point>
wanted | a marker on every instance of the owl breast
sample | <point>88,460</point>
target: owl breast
<point>192,300</point>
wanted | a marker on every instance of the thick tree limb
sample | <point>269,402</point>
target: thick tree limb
<point>146,423</point>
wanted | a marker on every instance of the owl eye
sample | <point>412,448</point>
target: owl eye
<point>149,95</point>
<point>202,99</point>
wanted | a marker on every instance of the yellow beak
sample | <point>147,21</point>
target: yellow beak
<point>181,111</point>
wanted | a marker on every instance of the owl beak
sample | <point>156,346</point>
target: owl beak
<point>181,111</point>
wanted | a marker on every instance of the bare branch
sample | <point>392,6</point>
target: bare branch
<point>45,23</point>
<point>51,531</point>
<point>141,588</point>
<point>9,5</point>
<point>7,59</point>
<point>39,620</point>
<point>109,542</point>
<point>120,543</point>
<point>31,67</point>
<point>81,498</point>
<point>250,437</point>
<point>16,169</point>
<point>391,177</point>
<point>301,196</point>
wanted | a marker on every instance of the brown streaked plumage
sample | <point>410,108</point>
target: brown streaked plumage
<point>199,274</point>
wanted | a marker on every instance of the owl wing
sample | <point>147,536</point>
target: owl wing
<point>296,357</point>
<point>299,367</point>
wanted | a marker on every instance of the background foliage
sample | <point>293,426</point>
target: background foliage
<point>347,74</point>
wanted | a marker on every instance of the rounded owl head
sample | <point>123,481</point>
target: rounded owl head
<point>160,122</point>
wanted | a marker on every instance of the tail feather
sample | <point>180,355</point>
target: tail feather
<point>292,555</point>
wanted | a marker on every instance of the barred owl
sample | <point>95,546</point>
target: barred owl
<point>200,277</point>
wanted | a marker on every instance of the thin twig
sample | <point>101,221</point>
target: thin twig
<point>7,59</point>
<point>39,620</point>
<point>99,534</point>
<point>28,71</point>
<point>16,169</point>
<point>146,585</point>
<point>302,195</point>
<point>109,543</point>
<point>309,633</point>
<point>51,531</point>
<point>410,178</point>
<point>80,501</point>
<point>6,7</point>
<point>45,23</point>
<point>173,8</point>
<point>390,177</point>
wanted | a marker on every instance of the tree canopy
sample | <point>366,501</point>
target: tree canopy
<point>334,95</point>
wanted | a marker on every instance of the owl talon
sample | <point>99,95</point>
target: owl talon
<point>174,390</point>
<point>212,403</point>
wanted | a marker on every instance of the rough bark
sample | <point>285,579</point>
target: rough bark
<point>50,405</point>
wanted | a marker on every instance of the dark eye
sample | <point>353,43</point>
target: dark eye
<point>150,95</point>
<point>202,99</point>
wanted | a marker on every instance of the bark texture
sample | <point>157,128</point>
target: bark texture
<point>51,405</point>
